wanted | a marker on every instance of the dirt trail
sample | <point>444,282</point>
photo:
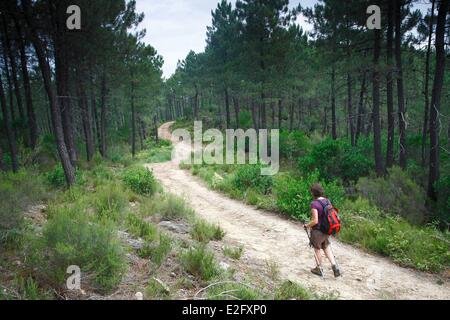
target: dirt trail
<point>269,237</point>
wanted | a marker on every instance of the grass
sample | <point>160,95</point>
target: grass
<point>203,231</point>
<point>156,290</point>
<point>172,207</point>
<point>423,248</point>
<point>17,192</point>
<point>229,290</point>
<point>200,262</point>
<point>156,244</point>
<point>289,290</point>
<point>233,253</point>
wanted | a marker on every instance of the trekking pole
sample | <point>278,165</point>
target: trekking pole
<point>332,252</point>
<point>315,256</point>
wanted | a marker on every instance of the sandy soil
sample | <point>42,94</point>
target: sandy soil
<point>268,237</point>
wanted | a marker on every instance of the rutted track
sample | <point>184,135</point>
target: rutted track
<point>269,237</point>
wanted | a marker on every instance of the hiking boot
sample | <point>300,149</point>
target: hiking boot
<point>336,271</point>
<point>317,271</point>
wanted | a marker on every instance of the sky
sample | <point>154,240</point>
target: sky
<point>174,27</point>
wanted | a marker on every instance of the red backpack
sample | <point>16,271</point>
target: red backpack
<point>330,223</point>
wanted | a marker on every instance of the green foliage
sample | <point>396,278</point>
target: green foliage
<point>289,290</point>
<point>230,290</point>
<point>140,180</point>
<point>110,201</point>
<point>57,179</point>
<point>443,203</point>
<point>293,144</point>
<point>17,192</point>
<point>233,253</point>
<point>172,207</point>
<point>156,245</point>
<point>156,152</point>
<point>155,290</point>
<point>249,176</point>
<point>203,231</point>
<point>336,159</point>
<point>200,262</point>
<point>71,238</point>
<point>397,194</point>
<point>294,197</point>
<point>423,248</point>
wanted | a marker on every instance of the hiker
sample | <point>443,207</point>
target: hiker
<point>318,239</point>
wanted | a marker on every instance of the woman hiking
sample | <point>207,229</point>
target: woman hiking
<point>320,240</point>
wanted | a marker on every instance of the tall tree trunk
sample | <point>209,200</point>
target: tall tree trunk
<point>12,62</point>
<point>9,133</point>
<point>280,113</point>
<point>263,111</point>
<point>86,120</point>
<point>254,116</point>
<point>104,92</point>
<point>62,77</point>
<point>55,112</point>
<point>236,111</point>
<point>291,115</point>
<point>133,122</point>
<point>376,104</point>
<point>400,91</point>
<point>196,103</point>
<point>9,83</point>
<point>2,163</point>
<point>436,98</point>
<point>351,121</point>
<point>300,113</point>
<point>227,108</point>
<point>427,86</point>
<point>389,87</point>
<point>333,103</point>
<point>31,115</point>
<point>361,108</point>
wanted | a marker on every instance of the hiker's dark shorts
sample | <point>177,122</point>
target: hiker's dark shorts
<point>319,240</point>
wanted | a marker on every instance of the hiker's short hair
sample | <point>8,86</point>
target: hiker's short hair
<point>317,190</point>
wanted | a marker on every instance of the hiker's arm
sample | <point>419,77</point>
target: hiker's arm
<point>314,220</point>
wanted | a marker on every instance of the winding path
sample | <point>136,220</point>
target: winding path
<point>269,237</point>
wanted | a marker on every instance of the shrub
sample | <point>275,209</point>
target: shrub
<point>173,207</point>
<point>229,290</point>
<point>110,201</point>
<point>56,177</point>
<point>294,198</point>
<point>443,203</point>
<point>17,192</point>
<point>397,194</point>
<point>336,159</point>
<point>140,180</point>
<point>203,231</point>
<point>233,253</point>
<point>156,290</point>
<point>199,262</point>
<point>70,238</point>
<point>293,144</point>
<point>249,176</point>
<point>289,290</point>
<point>423,248</point>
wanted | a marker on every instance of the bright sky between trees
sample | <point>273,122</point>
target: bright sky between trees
<point>174,27</point>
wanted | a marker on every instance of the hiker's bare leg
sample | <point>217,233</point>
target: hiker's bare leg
<point>318,257</point>
<point>330,255</point>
